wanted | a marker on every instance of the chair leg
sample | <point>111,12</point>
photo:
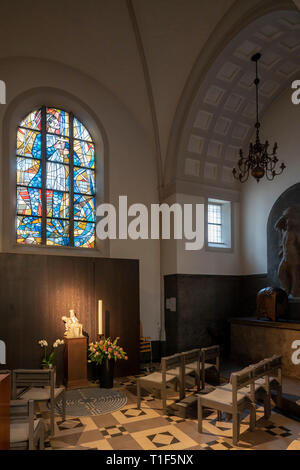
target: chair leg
<point>203,380</point>
<point>52,422</point>
<point>236,428</point>
<point>63,415</point>
<point>200,416</point>
<point>138,394</point>
<point>252,417</point>
<point>279,398</point>
<point>267,406</point>
<point>219,415</point>
<point>42,438</point>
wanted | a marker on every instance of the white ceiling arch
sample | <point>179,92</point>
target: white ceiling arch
<point>221,116</point>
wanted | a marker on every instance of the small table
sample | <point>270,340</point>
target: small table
<point>4,411</point>
<point>75,360</point>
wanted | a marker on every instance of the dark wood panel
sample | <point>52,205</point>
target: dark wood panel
<point>117,284</point>
<point>70,283</point>
<point>4,411</point>
<point>24,307</point>
<point>37,290</point>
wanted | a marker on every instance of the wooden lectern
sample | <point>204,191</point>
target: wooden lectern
<point>75,359</point>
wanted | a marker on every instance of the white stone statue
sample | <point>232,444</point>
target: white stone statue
<point>72,325</point>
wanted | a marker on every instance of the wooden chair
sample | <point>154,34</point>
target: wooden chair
<point>38,385</point>
<point>171,372</point>
<point>231,401</point>
<point>192,365</point>
<point>210,360</point>
<point>25,431</point>
<point>271,380</point>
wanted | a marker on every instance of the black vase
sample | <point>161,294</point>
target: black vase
<point>106,373</point>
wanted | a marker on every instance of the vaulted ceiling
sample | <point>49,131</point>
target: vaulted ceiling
<point>222,115</point>
<point>147,53</point>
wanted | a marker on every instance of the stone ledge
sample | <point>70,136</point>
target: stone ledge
<point>286,325</point>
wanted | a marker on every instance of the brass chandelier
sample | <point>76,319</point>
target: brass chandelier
<point>259,162</point>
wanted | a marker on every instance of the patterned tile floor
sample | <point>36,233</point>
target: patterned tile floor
<point>151,429</point>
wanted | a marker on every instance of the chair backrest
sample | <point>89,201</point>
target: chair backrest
<point>28,378</point>
<point>211,355</point>
<point>171,362</point>
<point>260,369</point>
<point>242,379</point>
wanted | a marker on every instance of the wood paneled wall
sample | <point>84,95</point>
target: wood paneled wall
<point>37,290</point>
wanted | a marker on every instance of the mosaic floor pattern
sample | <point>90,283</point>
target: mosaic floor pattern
<point>150,429</point>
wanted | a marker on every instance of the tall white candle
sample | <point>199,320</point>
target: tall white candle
<point>100,332</point>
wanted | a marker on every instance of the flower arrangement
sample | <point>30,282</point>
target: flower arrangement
<point>49,360</point>
<point>106,349</point>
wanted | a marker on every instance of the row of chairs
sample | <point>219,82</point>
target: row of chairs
<point>242,392</point>
<point>175,369</point>
<point>29,386</point>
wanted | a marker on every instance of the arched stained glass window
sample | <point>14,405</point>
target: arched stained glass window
<point>55,180</point>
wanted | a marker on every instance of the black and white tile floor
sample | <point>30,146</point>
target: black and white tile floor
<point>150,429</point>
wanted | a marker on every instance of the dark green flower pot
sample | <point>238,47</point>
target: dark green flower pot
<point>106,373</point>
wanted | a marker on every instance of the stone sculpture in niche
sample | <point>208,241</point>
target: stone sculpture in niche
<point>289,268</point>
<point>72,325</point>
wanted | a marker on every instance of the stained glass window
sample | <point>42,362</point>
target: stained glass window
<point>55,173</point>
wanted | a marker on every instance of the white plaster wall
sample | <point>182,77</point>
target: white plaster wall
<point>202,261</point>
<point>280,123</point>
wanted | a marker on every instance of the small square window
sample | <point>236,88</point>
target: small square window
<point>214,223</point>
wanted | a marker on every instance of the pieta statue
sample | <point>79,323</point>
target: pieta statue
<point>72,325</point>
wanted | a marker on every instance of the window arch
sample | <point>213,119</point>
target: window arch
<point>55,180</point>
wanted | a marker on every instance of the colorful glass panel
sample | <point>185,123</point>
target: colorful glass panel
<point>29,230</point>
<point>57,177</point>
<point>57,148</point>
<point>84,234</point>
<point>57,122</point>
<point>84,208</point>
<point>57,204</point>
<point>29,201</point>
<point>29,172</point>
<point>32,120</point>
<point>84,154</point>
<point>84,181</point>
<point>57,232</point>
<point>50,167</point>
<point>80,132</point>
<point>29,143</point>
